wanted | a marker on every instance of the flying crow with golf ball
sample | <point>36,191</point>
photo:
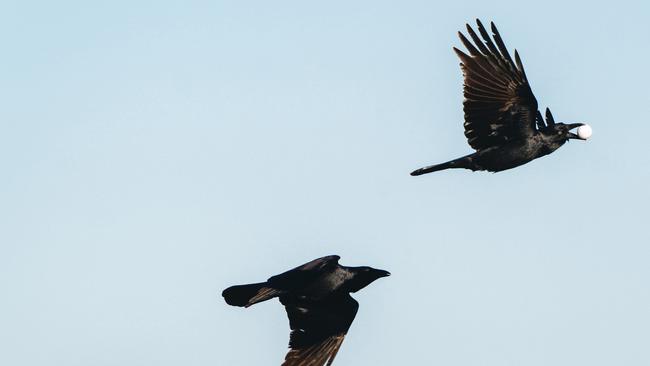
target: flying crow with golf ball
<point>502,122</point>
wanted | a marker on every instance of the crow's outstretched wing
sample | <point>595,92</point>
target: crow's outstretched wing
<point>499,105</point>
<point>304,274</point>
<point>317,328</point>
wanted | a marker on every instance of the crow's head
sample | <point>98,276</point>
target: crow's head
<point>363,276</point>
<point>561,132</point>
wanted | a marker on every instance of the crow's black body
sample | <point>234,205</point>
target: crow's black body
<point>502,122</point>
<point>317,299</point>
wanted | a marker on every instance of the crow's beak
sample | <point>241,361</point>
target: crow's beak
<point>382,273</point>
<point>572,135</point>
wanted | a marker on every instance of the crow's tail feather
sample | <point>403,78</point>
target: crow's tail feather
<point>464,162</point>
<point>247,295</point>
<point>431,168</point>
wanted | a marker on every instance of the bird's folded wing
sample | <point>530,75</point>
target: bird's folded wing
<point>499,105</point>
<point>317,328</point>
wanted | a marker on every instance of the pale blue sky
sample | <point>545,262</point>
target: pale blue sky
<point>155,153</point>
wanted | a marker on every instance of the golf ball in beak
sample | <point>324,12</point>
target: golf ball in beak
<point>584,132</point>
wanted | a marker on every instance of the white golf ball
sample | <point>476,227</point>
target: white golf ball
<point>584,132</point>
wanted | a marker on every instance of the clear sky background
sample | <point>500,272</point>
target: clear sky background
<point>154,153</point>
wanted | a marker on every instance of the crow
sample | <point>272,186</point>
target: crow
<point>317,299</point>
<point>502,122</point>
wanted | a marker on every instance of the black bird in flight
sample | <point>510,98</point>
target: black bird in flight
<point>317,298</point>
<point>502,122</point>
